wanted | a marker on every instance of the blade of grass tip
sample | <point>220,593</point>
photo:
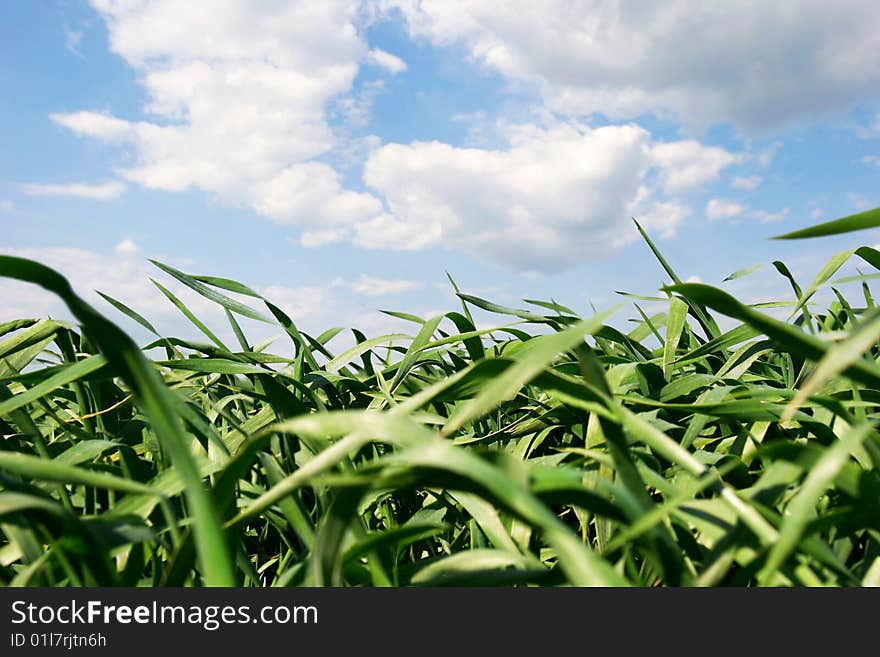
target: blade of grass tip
<point>153,398</point>
<point>404,316</point>
<point>236,329</point>
<point>802,506</point>
<point>640,297</point>
<point>474,344</point>
<point>228,284</point>
<point>421,339</point>
<point>675,323</point>
<point>189,315</point>
<point>866,291</point>
<point>790,337</point>
<point>648,323</point>
<point>347,356</point>
<point>552,305</point>
<point>666,266</point>
<point>303,352</point>
<point>128,312</point>
<point>743,272</point>
<point>836,360</point>
<point>861,276</point>
<point>783,269</point>
<point>501,310</point>
<point>853,222</point>
<point>835,263</point>
<point>703,317</point>
<point>866,253</point>
<point>467,312</point>
<point>202,289</point>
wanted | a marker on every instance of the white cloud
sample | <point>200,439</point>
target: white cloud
<point>687,164</point>
<point>355,108</point>
<point>300,303</point>
<point>375,286</point>
<point>237,95</point>
<point>107,191</point>
<point>310,196</point>
<point>860,202</point>
<point>101,126</point>
<point>765,157</point>
<point>757,64</point>
<point>73,40</point>
<point>556,196</point>
<point>769,217</point>
<point>7,206</point>
<point>718,208</point>
<point>127,247</point>
<point>746,182</point>
<point>871,160</point>
<point>391,63</point>
<point>816,214</point>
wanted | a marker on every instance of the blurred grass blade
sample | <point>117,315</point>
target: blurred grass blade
<point>227,302</point>
<point>151,394</point>
<point>860,221</point>
<point>837,359</point>
<point>801,508</point>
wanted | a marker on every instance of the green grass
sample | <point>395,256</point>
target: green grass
<point>554,450</point>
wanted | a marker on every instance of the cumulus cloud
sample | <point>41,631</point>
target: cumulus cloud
<point>376,286</point>
<point>355,108</point>
<point>860,202</point>
<point>746,182</point>
<point>391,63</point>
<point>555,196</point>
<point>107,191</point>
<point>73,40</point>
<point>236,97</point>
<point>756,64</point>
<point>769,217</point>
<point>688,164</point>
<point>127,247</point>
<point>719,208</point>
<point>310,196</point>
<point>765,157</point>
<point>239,98</point>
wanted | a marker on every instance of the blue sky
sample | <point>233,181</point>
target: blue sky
<point>341,156</point>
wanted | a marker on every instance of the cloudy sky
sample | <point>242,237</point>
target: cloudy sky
<point>342,156</point>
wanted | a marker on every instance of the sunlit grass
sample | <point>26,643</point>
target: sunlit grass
<point>557,450</point>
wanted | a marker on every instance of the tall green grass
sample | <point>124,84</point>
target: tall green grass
<point>555,450</point>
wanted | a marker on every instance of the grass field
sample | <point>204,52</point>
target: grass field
<point>556,450</point>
